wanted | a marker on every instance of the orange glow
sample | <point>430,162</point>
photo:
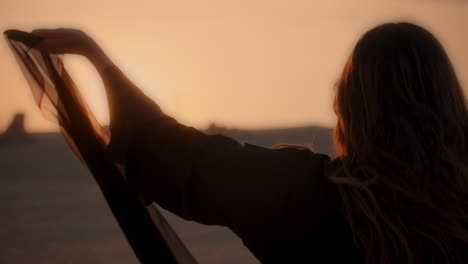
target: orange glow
<point>246,64</point>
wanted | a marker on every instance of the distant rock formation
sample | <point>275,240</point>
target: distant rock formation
<point>16,131</point>
<point>214,128</point>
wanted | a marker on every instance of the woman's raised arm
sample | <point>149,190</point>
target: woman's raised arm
<point>211,179</point>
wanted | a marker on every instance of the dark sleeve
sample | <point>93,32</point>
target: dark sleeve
<point>213,179</point>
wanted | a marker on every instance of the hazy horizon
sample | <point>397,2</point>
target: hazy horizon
<point>242,64</point>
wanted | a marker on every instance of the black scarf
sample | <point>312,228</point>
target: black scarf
<point>145,228</point>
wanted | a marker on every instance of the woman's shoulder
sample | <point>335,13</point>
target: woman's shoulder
<point>315,227</point>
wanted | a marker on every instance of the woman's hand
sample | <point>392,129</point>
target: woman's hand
<point>72,41</point>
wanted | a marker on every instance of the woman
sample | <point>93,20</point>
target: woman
<point>397,193</point>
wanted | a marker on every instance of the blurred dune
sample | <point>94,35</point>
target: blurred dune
<point>53,212</point>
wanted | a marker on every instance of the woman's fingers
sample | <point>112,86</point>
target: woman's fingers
<point>58,46</point>
<point>50,33</point>
<point>45,33</point>
<point>63,40</point>
<point>58,33</point>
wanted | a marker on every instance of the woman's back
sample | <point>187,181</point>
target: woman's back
<point>403,138</point>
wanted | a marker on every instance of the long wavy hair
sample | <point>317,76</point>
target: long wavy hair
<point>402,137</point>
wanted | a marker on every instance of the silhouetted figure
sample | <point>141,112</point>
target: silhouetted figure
<point>397,193</point>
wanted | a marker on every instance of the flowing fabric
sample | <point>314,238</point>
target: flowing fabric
<point>149,234</point>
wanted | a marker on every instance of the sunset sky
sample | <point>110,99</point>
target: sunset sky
<point>242,63</point>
